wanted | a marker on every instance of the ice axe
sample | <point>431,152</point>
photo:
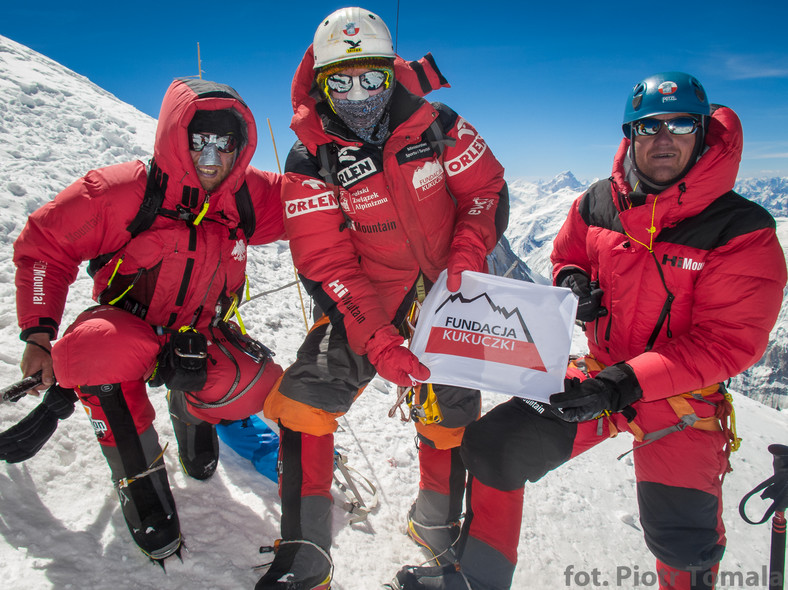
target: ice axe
<point>18,390</point>
<point>775,488</point>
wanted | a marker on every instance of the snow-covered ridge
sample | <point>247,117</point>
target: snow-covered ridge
<point>55,125</point>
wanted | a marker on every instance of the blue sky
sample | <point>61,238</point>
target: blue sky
<point>544,83</point>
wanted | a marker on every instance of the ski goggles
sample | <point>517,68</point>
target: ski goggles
<point>226,144</point>
<point>371,80</point>
<point>677,126</point>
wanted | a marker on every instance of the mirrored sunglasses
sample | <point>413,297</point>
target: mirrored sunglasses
<point>371,80</point>
<point>677,126</point>
<point>224,143</point>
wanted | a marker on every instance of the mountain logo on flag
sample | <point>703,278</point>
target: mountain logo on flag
<point>480,329</point>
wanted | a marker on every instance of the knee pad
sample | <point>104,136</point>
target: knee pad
<point>515,443</point>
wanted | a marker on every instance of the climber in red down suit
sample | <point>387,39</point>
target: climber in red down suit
<point>384,190</point>
<point>164,292</point>
<point>680,281</point>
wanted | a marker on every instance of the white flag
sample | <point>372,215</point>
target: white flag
<point>497,334</point>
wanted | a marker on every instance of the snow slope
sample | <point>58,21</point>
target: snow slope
<point>60,522</point>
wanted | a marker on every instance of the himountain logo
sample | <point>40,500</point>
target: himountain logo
<point>466,328</point>
<point>682,263</point>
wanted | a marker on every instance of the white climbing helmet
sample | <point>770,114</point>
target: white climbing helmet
<point>351,33</point>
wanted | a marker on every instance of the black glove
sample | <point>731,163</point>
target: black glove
<point>25,439</point>
<point>589,294</point>
<point>612,390</point>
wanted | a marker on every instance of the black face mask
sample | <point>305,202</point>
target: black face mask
<point>363,116</point>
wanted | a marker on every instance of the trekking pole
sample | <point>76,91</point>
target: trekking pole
<point>18,390</point>
<point>295,270</point>
<point>775,488</point>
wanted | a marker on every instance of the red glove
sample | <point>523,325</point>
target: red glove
<point>468,254</point>
<point>392,361</point>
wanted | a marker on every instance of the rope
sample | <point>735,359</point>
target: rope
<point>124,482</point>
<point>264,293</point>
<point>295,270</point>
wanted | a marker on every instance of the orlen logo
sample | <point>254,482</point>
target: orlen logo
<point>314,184</point>
<point>469,157</point>
<point>347,154</point>
<point>321,202</point>
<point>667,88</point>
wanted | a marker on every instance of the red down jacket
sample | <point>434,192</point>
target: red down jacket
<point>716,251</point>
<point>175,268</point>
<point>360,247</point>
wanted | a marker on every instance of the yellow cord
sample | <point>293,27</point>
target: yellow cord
<point>114,272</point>
<point>202,213</point>
<point>119,297</point>
<point>109,282</point>
<point>736,442</point>
<point>651,230</point>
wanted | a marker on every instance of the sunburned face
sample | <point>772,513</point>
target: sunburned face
<point>212,165</point>
<point>662,157</point>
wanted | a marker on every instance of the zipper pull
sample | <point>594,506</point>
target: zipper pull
<point>204,210</point>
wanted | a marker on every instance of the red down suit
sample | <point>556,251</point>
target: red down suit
<point>176,273</point>
<point>364,223</point>
<point>693,281</point>
<point>395,212</point>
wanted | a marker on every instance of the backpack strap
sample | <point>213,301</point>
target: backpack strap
<point>155,189</point>
<point>151,207</point>
<point>329,163</point>
<point>437,139</point>
<point>243,202</point>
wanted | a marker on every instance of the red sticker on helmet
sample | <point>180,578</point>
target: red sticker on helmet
<point>351,29</point>
<point>667,88</point>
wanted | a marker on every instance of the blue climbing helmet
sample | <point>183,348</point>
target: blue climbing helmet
<point>663,93</point>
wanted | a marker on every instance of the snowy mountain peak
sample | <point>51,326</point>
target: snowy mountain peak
<point>565,180</point>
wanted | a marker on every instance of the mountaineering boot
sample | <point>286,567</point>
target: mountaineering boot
<point>198,443</point>
<point>145,498</point>
<point>302,560</point>
<point>138,472</point>
<point>487,547</point>
<point>149,510</point>
<point>439,539</point>
<point>445,577</point>
<point>298,565</point>
<point>481,567</point>
<point>434,518</point>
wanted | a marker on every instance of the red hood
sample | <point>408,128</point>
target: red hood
<point>419,77</point>
<point>171,150</point>
<point>713,175</point>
